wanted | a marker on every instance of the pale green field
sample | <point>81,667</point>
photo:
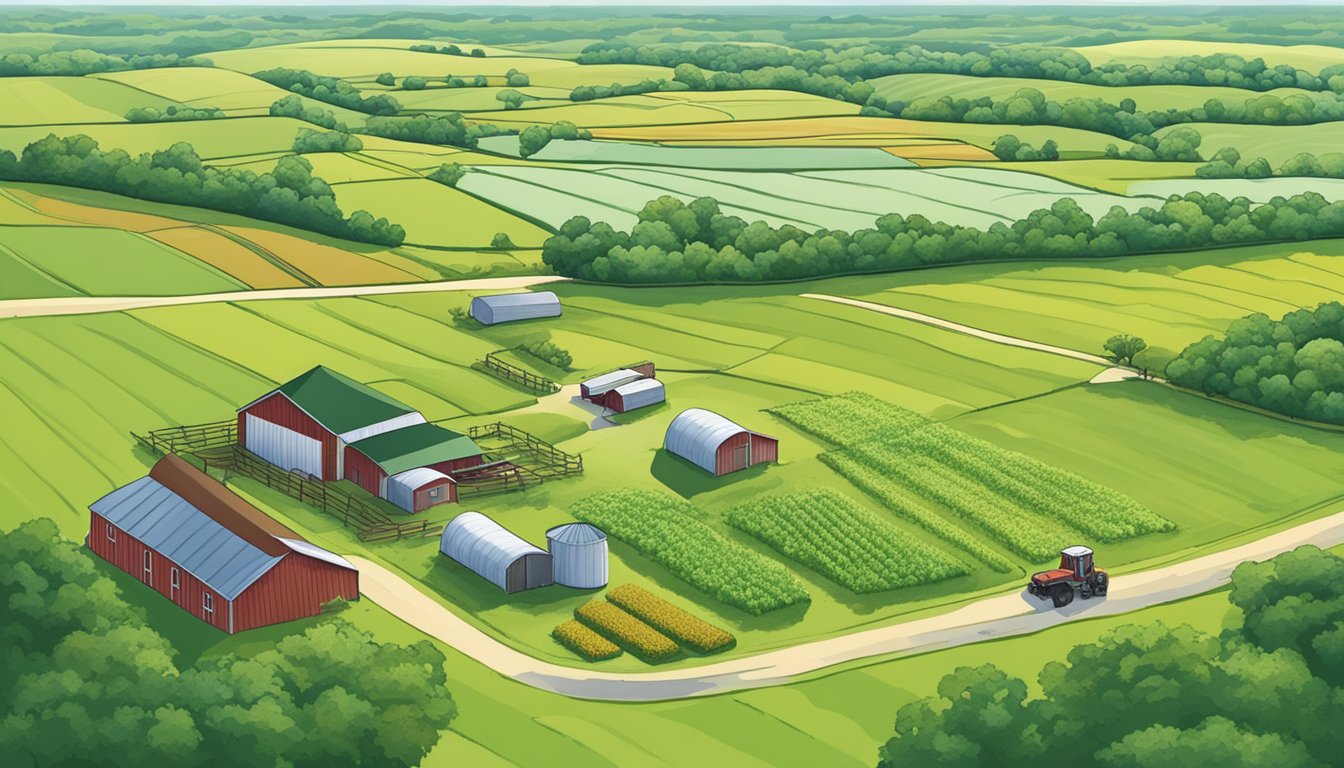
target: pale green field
<point>441,99</point>
<point>336,60</point>
<point>1275,143</point>
<point>1146,97</point>
<point>437,215</point>
<point>211,138</point>
<point>676,108</point>
<point>234,92</point>
<point>64,100</point>
<point>1309,57</point>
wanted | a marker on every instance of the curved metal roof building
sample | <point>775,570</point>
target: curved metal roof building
<point>717,444</point>
<point>508,307</point>
<point>495,553</point>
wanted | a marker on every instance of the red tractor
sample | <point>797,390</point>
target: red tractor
<point>1076,573</point>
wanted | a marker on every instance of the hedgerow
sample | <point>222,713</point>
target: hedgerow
<point>585,642</point>
<point>672,621</point>
<point>829,532</point>
<point>669,531</point>
<point>627,631</point>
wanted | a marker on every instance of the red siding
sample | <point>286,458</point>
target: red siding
<point>422,499</point>
<point>278,409</point>
<point>127,553</point>
<point>295,588</point>
<point>764,449</point>
<point>457,465</point>
<point>731,455</point>
<point>362,471</point>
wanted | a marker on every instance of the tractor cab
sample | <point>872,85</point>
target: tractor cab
<point>1077,561</point>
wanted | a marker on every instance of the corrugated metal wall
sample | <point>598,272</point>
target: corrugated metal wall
<point>362,471</point>
<point>457,465</point>
<point>731,455</point>
<point>582,566</point>
<point>764,449</point>
<point>128,554</point>
<point>279,410</point>
<point>295,588</point>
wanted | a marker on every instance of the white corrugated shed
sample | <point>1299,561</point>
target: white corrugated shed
<point>600,385</point>
<point>508,307</point>
<point>400,488</point>
<point>404,420</point>
<point>641,394</point>
<point>696,434</point>
<point>485,547</point>
<point>578,555</point>
<point>283,447</point>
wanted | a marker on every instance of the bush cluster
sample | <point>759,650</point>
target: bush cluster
<point>669,531</point>
<point>329,89</point>
<point>290,194</point>
<point>1227,163</point>
<point>691,631</point>
<point>171,114</point>
<point>548,352</point>
<point>293,106</point>
<point>534,138</point>
<point>1293,366</point>
<point>678,242</point>
<point>308,140</point>
<point>447,130</point>
<point>85,62</point>
<point>585,642</point>
<point>448,174</point>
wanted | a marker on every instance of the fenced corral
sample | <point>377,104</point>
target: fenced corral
<point>490,479</point>
<point>196,437</point>
<point>537,456</point>
<point>497,367</point>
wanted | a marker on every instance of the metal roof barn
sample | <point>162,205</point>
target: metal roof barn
<point>418,445</point>
<point>578,555</point>
<point>509,307</point>
<point>636,394</point>
<point>601,385</point>
<point>203,547</point>
<point>418,489</point>
<point>716,444</point>
<point>495,553</point>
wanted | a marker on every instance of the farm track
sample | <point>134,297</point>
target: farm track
<point>88,305</point>
<point>992,618</point>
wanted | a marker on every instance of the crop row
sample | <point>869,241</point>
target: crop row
<point>895,498</point>
<point>669,531</point>
<point>691,631</point>
<point>1030,534</point>
<point>850,418</point>
<point>829,532</point>
<point>1103,513</point>
<point>585,642</point>
<point>627,631</point>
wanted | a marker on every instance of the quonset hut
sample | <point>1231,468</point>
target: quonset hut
<point>192,540</point>
<point>495,553</point>
<point>578,555</point>
<point>636,394</point>
<point>716,444</point>
<point>509,307</point>
<point>305,423</point>
<point>411,466</point>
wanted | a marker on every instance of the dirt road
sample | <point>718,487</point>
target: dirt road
<point>994,617</point>
<point>86,305</point>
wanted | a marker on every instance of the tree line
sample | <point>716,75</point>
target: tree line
<point>85,62</point>
<point>1267,692</point>
<point>1227,163</point>
<point>1293,366</point>
<point>86,679</point>
<point>289,194</point>
<point>678,242</point>
<point>172,113</point>
<point>866,62</point>
<point>332,90</point>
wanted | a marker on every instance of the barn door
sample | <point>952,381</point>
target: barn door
<point>282,447</point>
<point>176,584</point>
<point>742,456</point>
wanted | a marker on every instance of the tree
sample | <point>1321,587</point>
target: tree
<point>502,241</point>
<point>448,174</point>
<point>386,78</point>
<point>515,79</point>
<point>533,139</point>
<point>1123,347</point>
<point>309,140</point>
<point>414,83</point>
<point>510,98</point>
<point>478,53</point>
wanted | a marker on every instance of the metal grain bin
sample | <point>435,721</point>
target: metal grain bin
<point>578,555</point>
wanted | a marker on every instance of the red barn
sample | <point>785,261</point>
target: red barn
<point>217,557</point>
<point>412,466</point>
<point>306,423</point>
<point>716,444</point>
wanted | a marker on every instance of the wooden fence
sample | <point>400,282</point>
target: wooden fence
<point>540,457</point>
<point>189,439</point>
<point>493,365</point>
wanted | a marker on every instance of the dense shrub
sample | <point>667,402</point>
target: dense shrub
<point>626,631</point>
<point>448,174</point>
<point>585,642</point>
<point>293,106</point>
<point>447,130</point>
<point>172,113</point>
<point>309,140</point>
<point>691,631</point>
<point>548,352</point>
<point>830,533</point>
<point>678,242</point>
<point>1293,366</point>
<point>669,531</point>
<point>329,89</point>
<point>451,50</point>
<point>1228,163</point>
<point>414,83</point>
<point>1009,148</point>
<point>534,138</point>
<point>288,195</point>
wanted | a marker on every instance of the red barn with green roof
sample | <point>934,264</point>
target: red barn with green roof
<point>411,466</point>
<point>306,423</point>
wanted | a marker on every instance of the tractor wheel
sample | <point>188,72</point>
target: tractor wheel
<point>1101,584</point>
<point>1062,595</point>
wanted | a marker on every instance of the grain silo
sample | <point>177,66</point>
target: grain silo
<point>578,555</point>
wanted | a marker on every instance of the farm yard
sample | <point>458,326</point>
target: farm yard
<point>881,469</point>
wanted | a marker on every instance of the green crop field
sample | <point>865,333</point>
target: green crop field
<point>928,463</point>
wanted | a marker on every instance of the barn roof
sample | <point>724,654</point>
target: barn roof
<point>599,385</point>
<point>484,546</point>
<point>416,446</point>
<point>340,403</point>
<point>696,434</point>
<point>524,299</point>
<point>193,520</point>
